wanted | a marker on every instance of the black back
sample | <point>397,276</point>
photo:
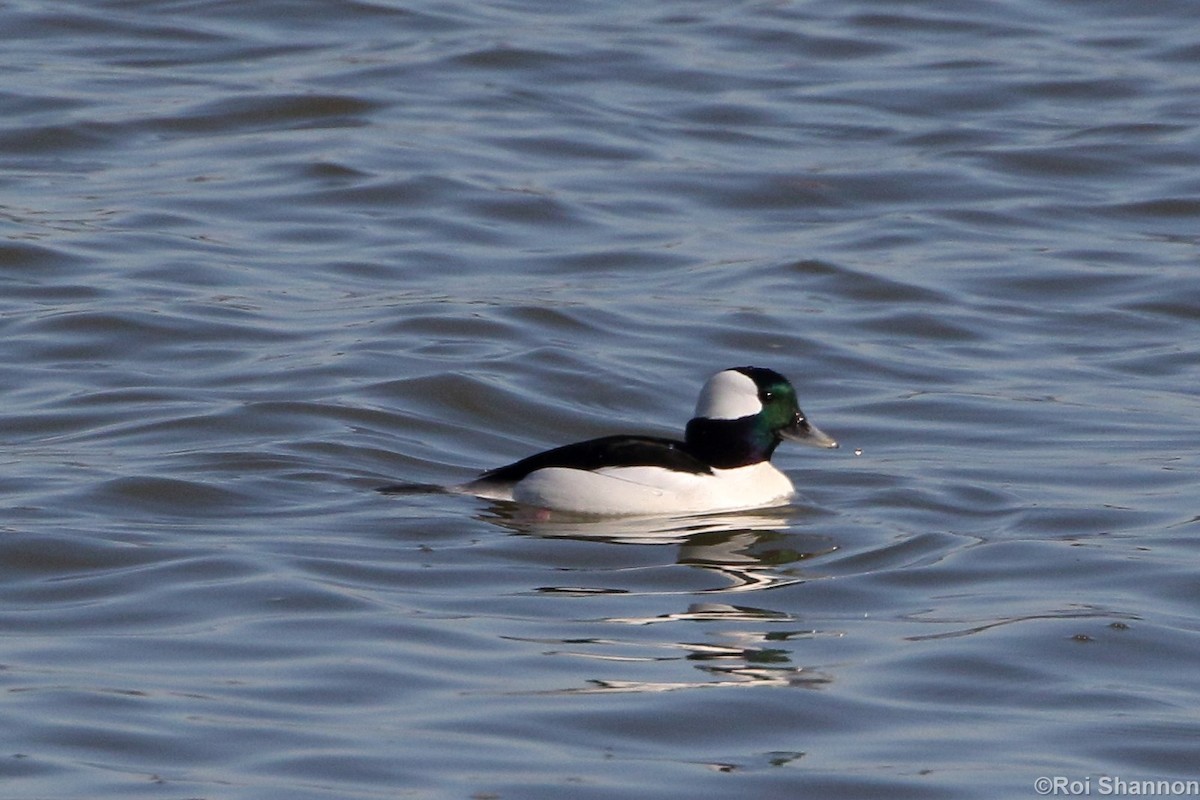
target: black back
<point>607,451</point>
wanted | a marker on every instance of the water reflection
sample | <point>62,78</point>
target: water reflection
<point>749,550</point>
<point>963,627</point>
<point>734,659</point>
<point>751,560</point>
<point>633,530</point>
<point>708,612</point>
<point>752,645</point>
<point>742,677</point>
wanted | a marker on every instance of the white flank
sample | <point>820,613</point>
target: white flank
<point>653,490</point>
<point>728,395</point>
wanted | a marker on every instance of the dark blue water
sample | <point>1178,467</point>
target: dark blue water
<point>261,258</point>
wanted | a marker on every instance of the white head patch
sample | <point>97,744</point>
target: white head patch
<point>728,395</point>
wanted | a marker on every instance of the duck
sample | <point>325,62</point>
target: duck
<point>723,462</point>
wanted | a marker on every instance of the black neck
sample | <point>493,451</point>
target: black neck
<point>729,443</point>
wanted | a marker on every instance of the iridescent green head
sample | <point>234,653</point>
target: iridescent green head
<point>742,415</point>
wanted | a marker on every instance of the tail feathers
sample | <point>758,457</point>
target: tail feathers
<point>488,490</point>
<point>412,488</point>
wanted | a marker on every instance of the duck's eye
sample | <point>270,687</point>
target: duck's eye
<point>767,395</point>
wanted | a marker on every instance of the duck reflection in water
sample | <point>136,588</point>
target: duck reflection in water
<point>751,550</point>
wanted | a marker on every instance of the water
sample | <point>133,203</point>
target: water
<point>258,259</point>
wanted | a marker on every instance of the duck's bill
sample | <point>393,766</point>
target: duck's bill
<point>807,433</point>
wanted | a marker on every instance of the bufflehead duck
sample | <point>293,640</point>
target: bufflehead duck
<point>723,463</point>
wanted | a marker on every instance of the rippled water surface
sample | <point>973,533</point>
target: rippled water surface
<point>261,258</point>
